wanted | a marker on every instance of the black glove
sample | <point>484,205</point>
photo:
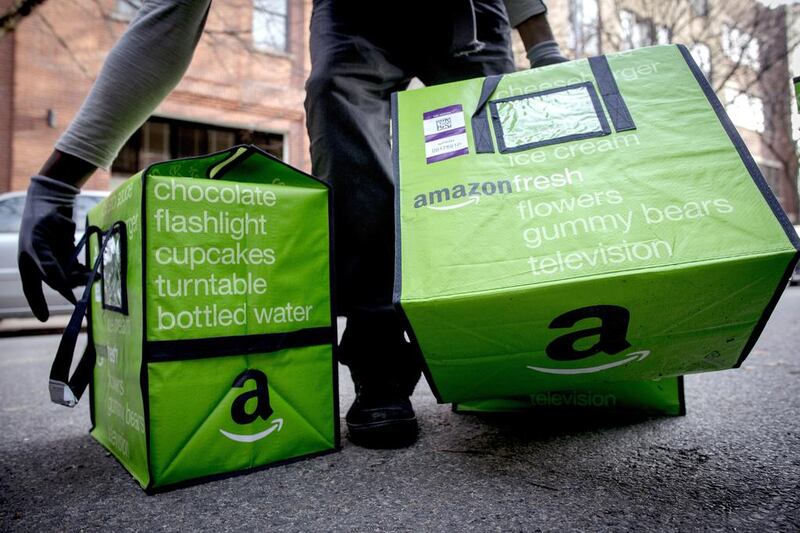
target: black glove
<point>47,243</point>
<point>545,53</point>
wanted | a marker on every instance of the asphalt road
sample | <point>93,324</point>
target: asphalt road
<point>733,463</point>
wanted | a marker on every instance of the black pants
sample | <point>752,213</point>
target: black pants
<point>362,52</point>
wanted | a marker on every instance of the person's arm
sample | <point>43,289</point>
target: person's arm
<point>143,67</point>
<point>529,17</point>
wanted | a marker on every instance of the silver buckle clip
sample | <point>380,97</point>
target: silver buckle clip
<point>61,394</point>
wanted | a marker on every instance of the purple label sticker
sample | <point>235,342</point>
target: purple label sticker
<point>445,133</point>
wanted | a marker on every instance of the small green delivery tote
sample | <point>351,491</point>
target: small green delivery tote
<point>589,223</point>
<point>210,319</point>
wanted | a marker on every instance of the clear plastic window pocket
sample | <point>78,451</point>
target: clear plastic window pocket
<point>113,271</point>
<point>549,117</point>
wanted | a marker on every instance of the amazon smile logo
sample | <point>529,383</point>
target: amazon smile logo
<point>611,337</point>
<point>263,409</point>
<point>277,425</point>
<point>630,358</point>
<point>461,195</point>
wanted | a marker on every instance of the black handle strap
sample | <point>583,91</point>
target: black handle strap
<point>66,390</point>
<point>615,104</point>
<point>481,132</point>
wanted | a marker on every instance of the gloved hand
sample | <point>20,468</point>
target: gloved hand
<point>47,243</point>
<point>545,53</point>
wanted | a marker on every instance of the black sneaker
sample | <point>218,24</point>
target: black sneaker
<point>382,421</point>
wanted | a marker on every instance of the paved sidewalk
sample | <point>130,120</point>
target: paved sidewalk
<point>732,463</point>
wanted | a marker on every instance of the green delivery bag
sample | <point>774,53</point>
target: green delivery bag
<point>596,221</point>
<point>210,319</point>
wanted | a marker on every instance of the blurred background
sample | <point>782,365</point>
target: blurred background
<point>246,81</point>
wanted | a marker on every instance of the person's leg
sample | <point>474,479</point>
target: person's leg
<point>347,106</point>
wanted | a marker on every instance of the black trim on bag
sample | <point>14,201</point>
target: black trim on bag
<point>773,302</point>
<point>481,133</point>
<point>763,187</point>
<point>122,231</point>
<point>615,104</point>
<point>398,276</point>
<point>229,475</point>
<point>144,377</point>
<point>334,341</point>
<point>182,350</point>
<point>90,337</point>
<point>398,260</point>
<point>681,397</point>
<point>598,109</point>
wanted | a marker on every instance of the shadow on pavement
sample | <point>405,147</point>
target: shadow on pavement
<point>543,425</point>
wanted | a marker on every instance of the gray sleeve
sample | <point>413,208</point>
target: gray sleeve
<point>521,10</point>
<point>143,67</point>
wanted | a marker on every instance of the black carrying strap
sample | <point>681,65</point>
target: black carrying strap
<point>481,132</point>
<point>615,104</point>
<point>66,390</point>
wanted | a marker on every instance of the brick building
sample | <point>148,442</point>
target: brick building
<point>246,81</point>
<point>245,84</point>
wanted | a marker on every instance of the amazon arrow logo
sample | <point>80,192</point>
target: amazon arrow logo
<point>611,338</point>
<point>473,200</point>
<point>277,425</point>
<point>263,409</point>
<point>635,356</point>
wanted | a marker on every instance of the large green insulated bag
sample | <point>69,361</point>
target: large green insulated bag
<point>588,223</point>
<point>210,319</point>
